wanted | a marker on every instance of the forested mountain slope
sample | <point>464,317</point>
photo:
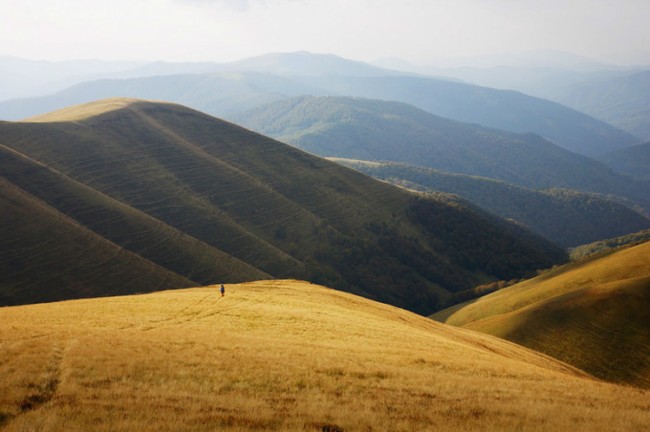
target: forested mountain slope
<point>367,129</point>
<point>566,217</point>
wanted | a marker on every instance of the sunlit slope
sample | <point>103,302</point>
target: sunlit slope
<point>152,177</point>
<point>45,256</point>
<point>282,355</point>
<point>594,315</point>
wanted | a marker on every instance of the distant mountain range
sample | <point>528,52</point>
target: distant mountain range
<point>356,128</point>
<point>632,161</point>
<point>180,197</point>
<point>231,88</point>
<point>621,100</point>
<point>615,95</point>
<point>566,217</point>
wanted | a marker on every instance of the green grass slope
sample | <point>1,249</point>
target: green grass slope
<point>283,355</point>
<point>212,201</point>
<point>46,256</point>
<point>111,220</point>
<point>592,314</point>
<point>568,218</point>
<point>376,130</point>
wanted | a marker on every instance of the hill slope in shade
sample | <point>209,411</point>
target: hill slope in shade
<point>214,202</point>
<point>92,222</point>
<point>593,314</point>
<point>377,130</point>
<point>41,246</point>
<point>566,217</point>
<point>283,355</point>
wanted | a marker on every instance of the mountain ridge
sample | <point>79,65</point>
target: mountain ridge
<point>274,208</point>
<point>220,94</point>
<point>368,129</point>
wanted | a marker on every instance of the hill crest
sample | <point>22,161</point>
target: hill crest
<point>91,109</point>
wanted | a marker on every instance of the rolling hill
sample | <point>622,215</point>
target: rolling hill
<point>566,217</point>
<point>283,355</point>
<point>593,314</point>
<point>367,129</point>
<point>212,202</point>
<point>243,85</point>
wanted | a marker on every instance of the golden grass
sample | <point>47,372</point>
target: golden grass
<point>84,111</point>
<point>282,355</point>
<point>594,315</point>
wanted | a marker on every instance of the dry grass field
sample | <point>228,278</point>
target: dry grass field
<point>283,355</point>
<point>593,314</point>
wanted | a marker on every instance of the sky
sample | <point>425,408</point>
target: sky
<point>419,31</point>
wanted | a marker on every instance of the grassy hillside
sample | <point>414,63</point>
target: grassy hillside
<point>592,314</point>
<point>89,217</point>
<point>388,131</point>
<point>42,249</point>
<point>282,355</point>
<point>568,218</point>
<point>214,202</point>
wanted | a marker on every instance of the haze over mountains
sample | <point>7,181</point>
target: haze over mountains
<point>273,77</point>
<point>209,201</point>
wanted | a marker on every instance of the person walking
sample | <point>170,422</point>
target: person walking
<point>223,290</point>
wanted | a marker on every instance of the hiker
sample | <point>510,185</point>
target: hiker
<point>223,290</point>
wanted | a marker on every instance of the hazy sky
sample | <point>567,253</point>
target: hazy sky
<point>415,30</point>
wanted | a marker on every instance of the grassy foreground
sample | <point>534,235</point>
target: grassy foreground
<point>282,355</point>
